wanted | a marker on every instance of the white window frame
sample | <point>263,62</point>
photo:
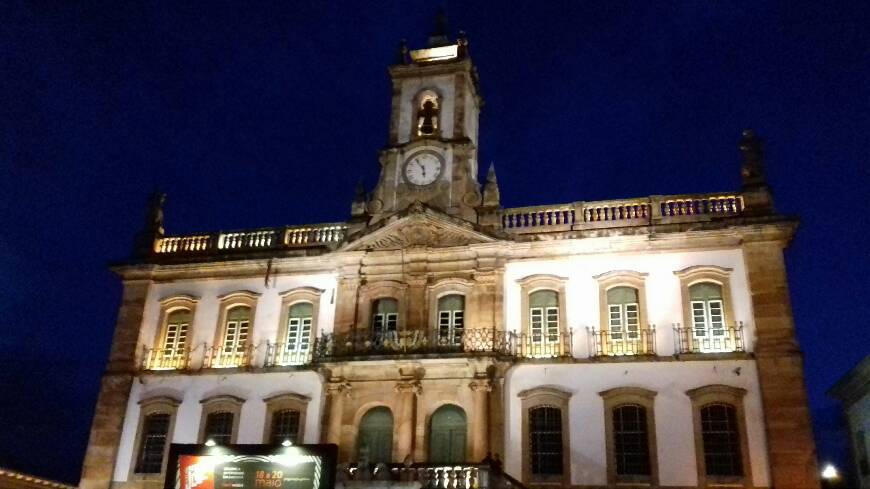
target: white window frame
<point>545,327</point>
<point>236,333</point>
<point>451,326</point>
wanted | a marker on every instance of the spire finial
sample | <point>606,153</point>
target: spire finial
<point>152,228</point>
<point>438,37</point>
<point>752,151</point>
<point>402,53</point>
<point>491,194</point>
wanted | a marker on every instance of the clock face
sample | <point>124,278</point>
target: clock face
<point>423,168</point>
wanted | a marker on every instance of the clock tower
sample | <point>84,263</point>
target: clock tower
<point>431,156</point>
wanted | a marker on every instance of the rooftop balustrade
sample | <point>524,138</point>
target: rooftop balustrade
<point>621,213</point>
<point>604,214</point>
<point>250,241</point>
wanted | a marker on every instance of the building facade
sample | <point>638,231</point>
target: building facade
<point>640,342</point>
<point>853,391</point>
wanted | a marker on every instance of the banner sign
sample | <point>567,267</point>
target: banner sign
<point>251,467</point>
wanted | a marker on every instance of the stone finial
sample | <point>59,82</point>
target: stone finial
<point>358,207</point>
<point>402,53</point>
<point>462,42</point>
<point>438,37</point>
<point>752,151</point>
<point>152,228</point>
<point>491,194</point>
<point>757,198</point>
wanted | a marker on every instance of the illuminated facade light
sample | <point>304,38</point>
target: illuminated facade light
<point>210,443</point>
<point>830,472</point>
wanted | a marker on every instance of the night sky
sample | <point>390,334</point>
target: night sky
<point>265,114</point>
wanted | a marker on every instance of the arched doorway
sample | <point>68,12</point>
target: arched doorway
<point>448,430</point>
<point>376,435</point>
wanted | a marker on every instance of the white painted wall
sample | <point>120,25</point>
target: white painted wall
<point>673,415</point>
<point>191,389</point>
<point>664,301</point>
<point>267,314</point>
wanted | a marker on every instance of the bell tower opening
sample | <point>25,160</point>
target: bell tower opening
<point>428,111</point>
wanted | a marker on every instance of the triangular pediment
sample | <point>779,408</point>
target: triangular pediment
<point>418,227</point>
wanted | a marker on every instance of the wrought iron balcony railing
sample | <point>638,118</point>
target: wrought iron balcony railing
<point>222,356</point>
<point>332,347</point>
<point>431,476</point>
<point>165,358</point>
<point>604,343</point>
<point>709,340</point>
<point>279,355</point>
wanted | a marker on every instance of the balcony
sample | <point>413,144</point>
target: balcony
<point>716,340</point>
<point>280,355</point>
<point>165,358</point>
<point>427,476</point>
<point>362,344</point>
<point>228,357</point>
<point>622,343</point>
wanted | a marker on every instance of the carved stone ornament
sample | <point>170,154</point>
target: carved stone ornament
<point>419,228</point>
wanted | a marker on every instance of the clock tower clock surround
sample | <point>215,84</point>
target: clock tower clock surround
<point>431,156</point>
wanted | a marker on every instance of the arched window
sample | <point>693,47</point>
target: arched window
<point>285,426</point>
<point>385,318</point>
<point>623,314</point>
<point>427,114</point>
<point>299,321</point>
<point>219,427</point>
<point>448,429</point>
<point>451,319</point>
<point>236,329</point>
<point>708,312</point>
<point>721,438</point>
<point>376,435</point>
<point>152,443</point>
<point>544,317</point>
<point>631,441</point>
<point>545,439</point>
<point>175,337</point>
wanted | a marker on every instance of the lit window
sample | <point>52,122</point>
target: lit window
<point>544,317</point>
<point>299,323</point>
<point>152,444</point>
<point>708,313</point>
<point>427,115</point>
<point>451,322</point>
<point>236,330</point>
<point>623,314</point>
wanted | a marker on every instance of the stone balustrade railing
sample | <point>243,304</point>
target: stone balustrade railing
<point>644,211</point>
<point>255,240</point>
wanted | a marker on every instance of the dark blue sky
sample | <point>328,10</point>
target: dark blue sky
<point>261,114</point>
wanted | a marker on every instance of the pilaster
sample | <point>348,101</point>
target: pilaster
<point>791,446</point>
<point>406,417</point>
<point>345,304</point>
<point>115,388</point>
<point>480,419</point>
<point>336,392</point>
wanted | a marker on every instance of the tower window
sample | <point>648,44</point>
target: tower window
<point>427,115</point>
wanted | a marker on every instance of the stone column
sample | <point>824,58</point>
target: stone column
<point>480,419</point>
<point>790,442</point>
<point>335,394</point>
<point>406,417</point>
<point>115,388</point>
<point>418,304</point>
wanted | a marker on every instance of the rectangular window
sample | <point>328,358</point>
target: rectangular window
<point>219,427</point>
<point>236,336</point>
<point>545,437</point>
<point>299,334</point>
<point>631,441</point>
<point>285,426</point>
<point>155,430</point>
<point>615,326</point>
<point>699,319</point>
<point>450,327</point>
<point>536,324</point>
<point>176,338</point>
<point>721,440</point>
